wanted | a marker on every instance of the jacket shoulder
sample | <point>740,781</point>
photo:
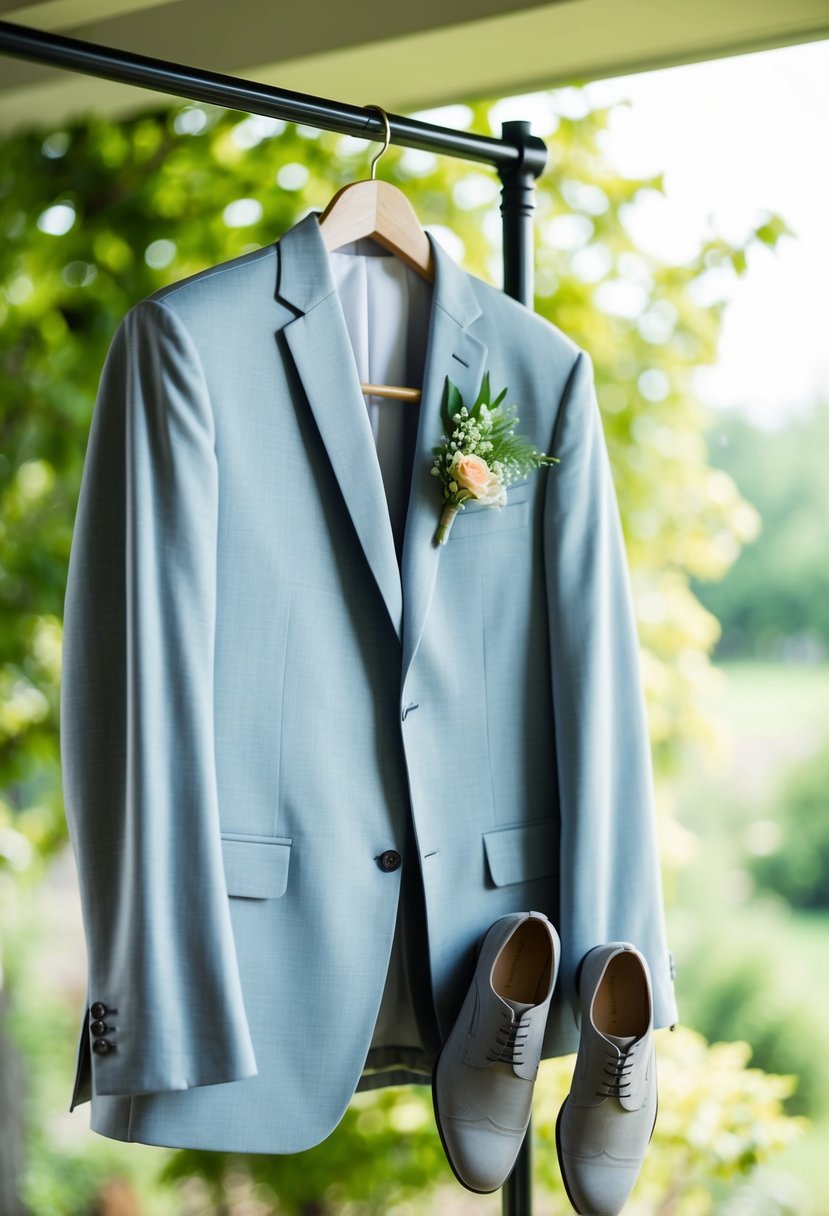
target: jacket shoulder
<point>523,322</point>
<point>239,273</point>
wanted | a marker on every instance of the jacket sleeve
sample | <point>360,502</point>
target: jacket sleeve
<point>137,727</point>
<point>610,886</point>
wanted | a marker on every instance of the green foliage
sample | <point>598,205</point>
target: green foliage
<point>485,397</point>
<point>452,404</point>
<point>778,589</point>
<point>512,449</point>
<point>67,1171</point>
<point>748,967</point>
<point>753,994</point>
<point>385,1152</point>
<point>646,334</point>
<point>798,868</point>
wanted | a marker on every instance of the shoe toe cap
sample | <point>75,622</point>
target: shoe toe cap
<point>481,1156</point>
<point>599,1186</point>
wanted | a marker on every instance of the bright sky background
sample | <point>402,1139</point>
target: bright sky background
<point>734,138</point>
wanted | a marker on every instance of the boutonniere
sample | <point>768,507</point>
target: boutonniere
<point>480,453</point>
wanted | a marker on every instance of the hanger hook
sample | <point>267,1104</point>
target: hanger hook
<point>387,139</point>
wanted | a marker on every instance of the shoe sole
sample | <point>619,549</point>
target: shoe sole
<point>448,1155</point>
<point>560,1155</point>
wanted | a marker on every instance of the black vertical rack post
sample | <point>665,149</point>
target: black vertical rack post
<point>519,158</point>
<point>517,205</point>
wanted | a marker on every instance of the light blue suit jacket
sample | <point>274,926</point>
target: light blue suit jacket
<point>256,698</point>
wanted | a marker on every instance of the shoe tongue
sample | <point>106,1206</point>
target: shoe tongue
<point>622,1041</point>
<point>518,1007</point>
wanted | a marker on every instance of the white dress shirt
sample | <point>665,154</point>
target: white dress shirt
<point>387,307</point>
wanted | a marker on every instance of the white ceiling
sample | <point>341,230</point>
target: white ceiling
<point>377,51</point>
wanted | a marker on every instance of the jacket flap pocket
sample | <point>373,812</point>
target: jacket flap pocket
<point>256,867</point>
<point>522,853</point>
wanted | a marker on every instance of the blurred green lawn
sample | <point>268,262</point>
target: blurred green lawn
<point>776,697</point>
<point>774,716</point>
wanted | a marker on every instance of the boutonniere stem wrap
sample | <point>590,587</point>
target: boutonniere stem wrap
<point>480,453</point>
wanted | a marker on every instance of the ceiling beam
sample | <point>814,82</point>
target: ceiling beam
<point>402,57</point>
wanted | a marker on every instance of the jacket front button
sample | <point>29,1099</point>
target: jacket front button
<point>98,1011</point>
<point>103,1047</point>
<point>390,860</point>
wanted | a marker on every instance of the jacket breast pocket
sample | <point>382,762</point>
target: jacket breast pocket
<point>522,853</point>
<point>256,867</point>
<point>475,520</point>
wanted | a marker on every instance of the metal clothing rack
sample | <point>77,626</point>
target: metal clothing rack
<point>519,158</point>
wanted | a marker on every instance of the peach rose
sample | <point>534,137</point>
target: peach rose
<point>476,477</point>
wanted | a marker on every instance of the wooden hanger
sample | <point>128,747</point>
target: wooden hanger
<point>379,210</point>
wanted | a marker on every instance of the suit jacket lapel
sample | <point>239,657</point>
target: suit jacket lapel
<point>452,352</point>
<point>319,343</point>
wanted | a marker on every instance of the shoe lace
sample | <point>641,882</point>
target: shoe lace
<point>617,1069</point>
<point>509,1043</point>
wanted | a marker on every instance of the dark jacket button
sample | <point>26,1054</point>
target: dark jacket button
<point>390,860</point>
<point>103,1047</point>
<point>99,1028</point>
<point>98,1011</point>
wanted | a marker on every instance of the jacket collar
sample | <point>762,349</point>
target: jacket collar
<point>304,277</point>
<point>318,340</point>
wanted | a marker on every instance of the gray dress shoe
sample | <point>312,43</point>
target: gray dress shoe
<point>607,1120</point>
<point>484,1078</point>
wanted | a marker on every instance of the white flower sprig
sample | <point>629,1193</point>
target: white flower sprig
<point>480,454</point>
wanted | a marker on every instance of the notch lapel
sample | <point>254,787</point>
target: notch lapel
<point>452,352</point>
<point>319,344</point>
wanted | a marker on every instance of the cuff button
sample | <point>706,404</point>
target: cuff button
<point>99,1011</point>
